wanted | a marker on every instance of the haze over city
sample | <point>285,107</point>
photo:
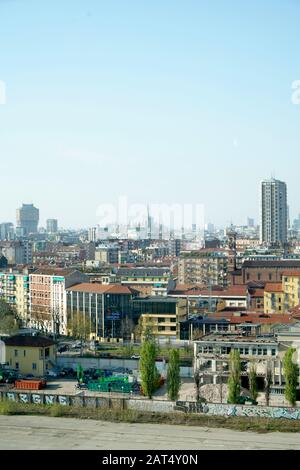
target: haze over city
<point>187,102</point>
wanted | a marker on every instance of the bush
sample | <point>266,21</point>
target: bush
<point>57,411</point>
<point>9,408</point>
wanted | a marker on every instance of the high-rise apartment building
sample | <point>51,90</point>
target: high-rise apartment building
<point>92,235</point>
<point>274,212</point>
<point>51,225</point>
<point>28,218</point>
<point>6,231</point>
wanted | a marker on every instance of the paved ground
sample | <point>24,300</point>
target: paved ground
<point>37,432</point>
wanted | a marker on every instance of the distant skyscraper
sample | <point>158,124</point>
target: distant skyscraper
<point>28,218</point>
<point>250,222</point>
<point>6,231</point>
<point>92,235</point>
<point>274,212</point>
<point>51,225</point>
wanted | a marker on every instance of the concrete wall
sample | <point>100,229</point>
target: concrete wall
<point>98,363</point>
<point>102,363</point>
<point>214,409</point>
<point>162,406</point>
<point>62,399</point>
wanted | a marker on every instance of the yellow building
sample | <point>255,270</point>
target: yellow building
<point>14,290</point>
<point>274,298</point>
<point>291,288</point>
<point>160,316</point>
<point>28,354</point>
<point>22,297</point>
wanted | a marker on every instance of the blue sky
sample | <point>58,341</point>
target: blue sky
<point>162,101</point>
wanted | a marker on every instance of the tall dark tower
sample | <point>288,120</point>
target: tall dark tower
<point>231,246</point>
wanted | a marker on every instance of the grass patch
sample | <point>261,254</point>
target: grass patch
<point>260,425</point>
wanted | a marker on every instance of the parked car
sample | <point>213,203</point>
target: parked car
<point>135,356</point>
<point>52,373</point>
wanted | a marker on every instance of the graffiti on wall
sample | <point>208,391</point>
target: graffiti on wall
<point>240,410</point>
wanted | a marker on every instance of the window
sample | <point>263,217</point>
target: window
<point>24,353</point>
<point>16,353</point>
<point>17,365</point>
<point>270,276</point>
<point>34,366</point>
<point>246,351</point>
<point>259,352</point>
<point>259,276</point>
<point>265,352</point>
<point>273,352</point>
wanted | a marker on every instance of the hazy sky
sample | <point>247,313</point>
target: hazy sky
<point>159,100</point>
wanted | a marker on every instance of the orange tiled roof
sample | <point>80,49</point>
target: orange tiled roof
<point>273,287</point>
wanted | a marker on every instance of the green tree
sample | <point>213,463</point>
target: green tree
<point>173,375</point>
<point>9,322</point>
<point>253,382</point>
<point>268,382</point>
<point>148,368</point>
<point>291,373</point>
<point>138,330</point>
<point>197,384</point>
<point>234,381</point>
<point>79,327</point>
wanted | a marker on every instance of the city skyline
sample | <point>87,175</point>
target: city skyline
<point>193,105</point>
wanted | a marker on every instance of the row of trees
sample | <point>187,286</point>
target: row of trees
<point>290,371</point>
<point>149,374</point>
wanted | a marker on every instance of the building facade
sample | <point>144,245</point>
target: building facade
<point>274,212</point>
<point>48,301</point>
<point>28,218</point>
<point>51,225</point>
<point>106,309</point>
<point>161,316</point>
<point>28,354</point>
<point>203,267</point>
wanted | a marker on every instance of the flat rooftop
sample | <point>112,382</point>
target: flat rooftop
<point>234,338</point>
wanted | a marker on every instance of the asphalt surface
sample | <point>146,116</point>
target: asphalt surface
<point>39,432</point>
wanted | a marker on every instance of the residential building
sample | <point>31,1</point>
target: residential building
<point>174,247</point>
<point>274,298</point>
<point>17,252</point>
<point>146,280</point>
<point>291,288</point>
<point>6,231</point>
<point>108,254</point>
<point>28,354</point>
<point>28,218</point>
<point>201,300</point>
<point>92,235</point>
<point>14,290</point>
<point>48,302</point>
<point>203,267</point>
<point>274,212</point>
